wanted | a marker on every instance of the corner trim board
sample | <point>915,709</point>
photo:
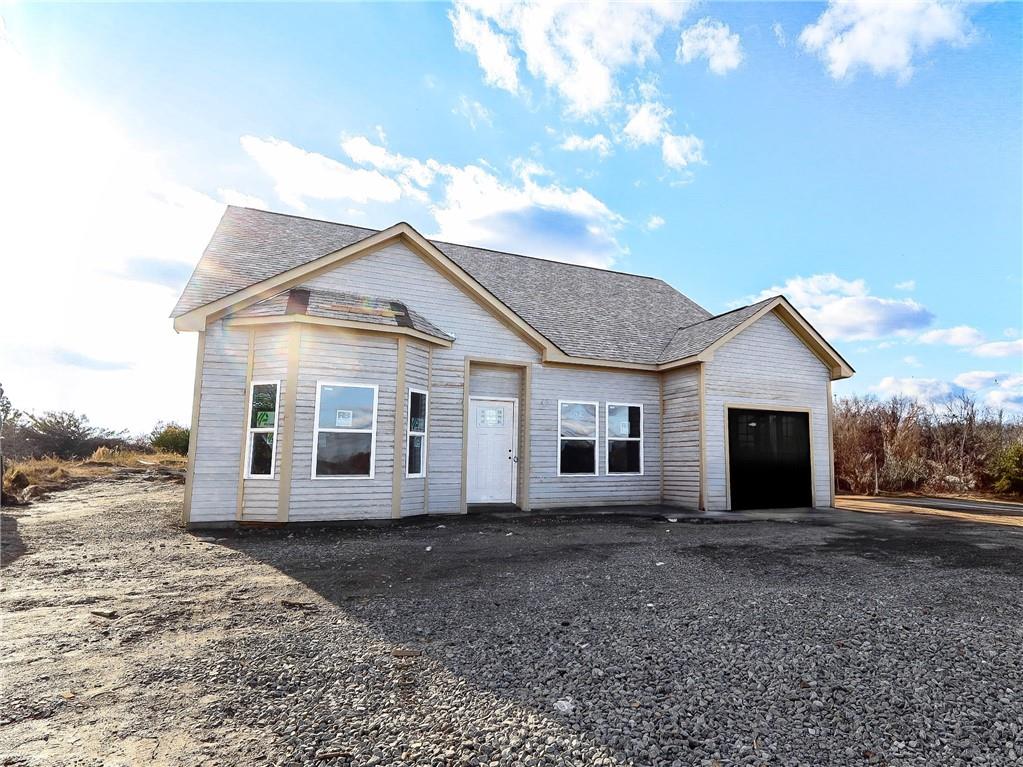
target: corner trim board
<point>193,441</point>
<point>398,457</point>
<point>288,441</point>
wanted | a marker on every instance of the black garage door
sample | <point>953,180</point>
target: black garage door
<point>769,459</point>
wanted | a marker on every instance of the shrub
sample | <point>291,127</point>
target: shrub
<point>170,438</point>
<point>1007,470</point>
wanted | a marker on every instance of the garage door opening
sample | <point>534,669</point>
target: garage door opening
<point>769,459</point>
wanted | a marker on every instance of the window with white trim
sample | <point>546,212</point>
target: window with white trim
<point>344,430</point>
<point>624,439</point>
<point>264,399</point>
<point>415,452</point>
<point>577,438</point>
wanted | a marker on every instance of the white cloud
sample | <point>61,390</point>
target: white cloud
<point>884,37</point>
<point>300,175</point>
<point>924,389</point>
<point>912,361</point>
<point>972,340</point>
<point>711,40</point>
<point>475,205</point>
<point>681,151</point>
<point>654,222</point>
<point>845,310</point>
<point>906,285</point>
<point>647,123</point>
<point>234,197</point>
<point>473,33</point>
<point>576,49</point>
<point>779,34</point>
<point>977,379</point>
<point>598,143</point>
<point>1007,396</point>
<point>101,223</point>
<point>961,335</point>
<point>999,348</point>
<point>473,111</point>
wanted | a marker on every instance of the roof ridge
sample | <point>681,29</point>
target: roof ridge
<point>455,244</point>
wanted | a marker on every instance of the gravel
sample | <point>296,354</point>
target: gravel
<point>537,641</point>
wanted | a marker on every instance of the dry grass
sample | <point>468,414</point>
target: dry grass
<point>56,473</point>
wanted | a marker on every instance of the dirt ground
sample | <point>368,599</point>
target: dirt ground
<point>127,640</point>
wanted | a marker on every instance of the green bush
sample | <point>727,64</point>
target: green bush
<point>170,438</point>
<point>1007,469</point>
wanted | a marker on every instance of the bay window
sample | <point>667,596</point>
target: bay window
<point>415,452</point>
<point>264,400</point>
<point>344,430</point>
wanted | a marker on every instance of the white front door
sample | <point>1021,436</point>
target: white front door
<point>493,458</point>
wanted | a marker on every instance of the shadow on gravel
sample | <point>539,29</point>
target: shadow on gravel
<point>11,545</point>
<point>684,642</point>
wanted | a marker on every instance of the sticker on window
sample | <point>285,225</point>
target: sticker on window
<point>264,419</point>
<point>490,416</point>
<point>343,419</point>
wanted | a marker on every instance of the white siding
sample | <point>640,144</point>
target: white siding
<point>221,421</point>
<point>417,366</point>
<point>269,363</point>
<point>765,365</point>
<point>682,436</point>
<point>397,273</point>
<point>551,383</point>
<point>492,381</point>
<point>333,354</point>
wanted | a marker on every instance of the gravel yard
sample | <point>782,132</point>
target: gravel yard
<point>863,639</point>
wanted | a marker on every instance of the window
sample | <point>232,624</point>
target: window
<point>577,438</point>
<point>624,439</point>
<point>345,430</point>
<point>264,398</point>
<point>415,453</point>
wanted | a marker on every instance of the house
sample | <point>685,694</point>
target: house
<point>346,373</point>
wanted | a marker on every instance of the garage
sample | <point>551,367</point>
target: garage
<point>769,459</point>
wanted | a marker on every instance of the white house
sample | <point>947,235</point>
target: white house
<point>347,373</point>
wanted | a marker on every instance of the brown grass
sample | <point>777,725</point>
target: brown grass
<point>57,473</point>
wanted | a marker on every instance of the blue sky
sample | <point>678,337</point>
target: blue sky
<point>866,160</point>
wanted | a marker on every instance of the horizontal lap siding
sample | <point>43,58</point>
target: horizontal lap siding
<point>417,366</point>
<point>551,384</point>
<point>336,355</point>
<point>499,382</point>
<point>765,365</point>
<point>397,273</point>
<point>269,363</point>
<point>682,437</point>
<point>221,420</point>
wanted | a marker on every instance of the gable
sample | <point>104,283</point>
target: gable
<point>768,345</point>
<point>398,273</point>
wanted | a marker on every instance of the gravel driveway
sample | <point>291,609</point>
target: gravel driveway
<point>863,639</point>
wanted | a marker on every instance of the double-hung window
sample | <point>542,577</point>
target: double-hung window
<point>415,453</point>
<point>577,438</point>
<point>344,430</point>
<point>624,439</point>
<point>264,399</point>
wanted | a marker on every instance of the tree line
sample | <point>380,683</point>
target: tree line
<point>903,445</point>
<point>69,435</point>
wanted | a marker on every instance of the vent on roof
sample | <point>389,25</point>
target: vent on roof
<point>298,301</point>
<point>401,314</point>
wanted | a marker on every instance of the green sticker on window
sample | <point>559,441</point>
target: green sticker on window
<point>264,419</point>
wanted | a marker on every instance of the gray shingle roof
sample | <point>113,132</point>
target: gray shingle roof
<point>337,305</point>
<point>585,312</point>
<point>693,339</point>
